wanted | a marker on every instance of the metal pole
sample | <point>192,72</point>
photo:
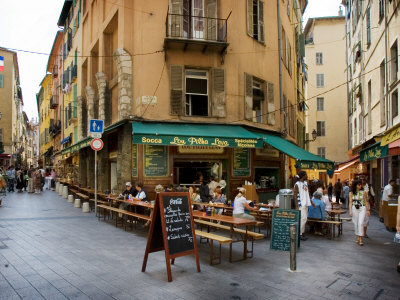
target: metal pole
<point>95,182</point>
<point>293,246</point>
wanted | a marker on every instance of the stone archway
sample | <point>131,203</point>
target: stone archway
<point>125,92</point>
<point>101,80</point>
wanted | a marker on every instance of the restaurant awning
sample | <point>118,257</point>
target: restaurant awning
<point>373,152</point>
<point>82,144</point>
<point>189,134</point>
<point>304,159</point>
<point>346,165</point>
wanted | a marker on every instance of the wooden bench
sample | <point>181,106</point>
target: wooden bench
<point>92,203</point>
<point>331,226</point>
<point>82,196</point>
<point>213,237</point>
<point>117,211</point>
<point>252,234</point>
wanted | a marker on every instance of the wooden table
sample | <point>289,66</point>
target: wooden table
<point>232,221</point>
<point>333,213</point>
<point>215,205</point>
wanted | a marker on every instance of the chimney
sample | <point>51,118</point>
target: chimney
<point>340,12</point>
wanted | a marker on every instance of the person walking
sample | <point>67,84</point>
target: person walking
<point>37,181</point>
<point>358,209</point>
<point>11,178</point>
<point>301,194</point>
<point>20,181</point>
<point>346,191</point>
<point>30,180</point>
<point>338,190</point>
<point>330,191</point>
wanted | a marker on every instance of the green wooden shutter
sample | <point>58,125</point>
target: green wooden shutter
<point>218,92</point>
<point>73,3</point>
<point>176,87</point>
<point>1,81</point>
<point>76,57</point>
<point>75,134</point>
<point>74,104</point>
<point>248,97</point>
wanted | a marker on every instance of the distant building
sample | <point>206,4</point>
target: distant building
<point>327,111</point>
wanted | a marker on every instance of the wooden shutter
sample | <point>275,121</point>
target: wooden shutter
<point>285,113</point>
<point>261,34</point>
<point>218,93</point>
<point>211,20</point>
<point>175,20</point>
<point>248,97</point>
<point>250,17</point>
<point>270,103</point>
<point>1,81</point>
<point>176,87</point>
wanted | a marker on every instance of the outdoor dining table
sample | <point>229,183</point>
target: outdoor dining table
<point>232,221</point>
<point>335,216</point>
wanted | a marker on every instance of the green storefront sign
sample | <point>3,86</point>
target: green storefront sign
<point>83,144</point>
<point>308,165</point>
<point>197,141</point>
<point>374,152</point>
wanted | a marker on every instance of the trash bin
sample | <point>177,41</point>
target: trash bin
<point>285,198</point>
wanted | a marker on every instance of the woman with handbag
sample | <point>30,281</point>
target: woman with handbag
<point>358,209</point>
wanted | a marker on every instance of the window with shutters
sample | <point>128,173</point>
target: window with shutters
<point>319,58</point>
<point>321,151</point>
<point>255,20</point>
<point>382,94</point>
<point>395,104</point>
<point>320,80</point>
<point>258,98</point>
<point>381,9</point>
<point>368,26</point>
<point>1,81</point>
<point>1,135</point>
<point>320,128</point>
<point>320,104</point>
<point>196,93</point>
<point>394,62</point>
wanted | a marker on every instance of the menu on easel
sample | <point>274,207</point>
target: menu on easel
<point>172,229</point>
<point>280,233</point>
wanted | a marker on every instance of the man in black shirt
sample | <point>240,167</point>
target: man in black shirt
<point>129,191</point>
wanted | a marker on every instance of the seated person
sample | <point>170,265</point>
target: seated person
<point>240,204</point>
<point>170,188</point>
<point>141,193</point>
<point>129,191</point>
<point>325,199</point>
<point>317,211</point>
<point>218,197</point>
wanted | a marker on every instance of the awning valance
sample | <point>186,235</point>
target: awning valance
<point>373,152</point>
<point>82,144</point>
<point>66,140</point>
<point>391,136</point>
<point>304,159</point>
<point>189,134</point>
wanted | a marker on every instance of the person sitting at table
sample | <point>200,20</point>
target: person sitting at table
<point>195,197</point>
<point>317,211</point>
<point>141,193</point>
<point>170,188</point>
<point>218,197</point>
<point>129,191</point>
<point>325,198</point>
<point>240,204</point>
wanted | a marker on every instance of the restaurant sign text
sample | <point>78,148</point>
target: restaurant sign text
<point>314,165</point>
<point>374,153</point>
<point>197,141</point>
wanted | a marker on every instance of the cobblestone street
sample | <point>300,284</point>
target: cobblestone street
<point>50,250</point>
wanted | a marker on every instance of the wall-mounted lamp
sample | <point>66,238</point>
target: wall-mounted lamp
<point>314,136</point>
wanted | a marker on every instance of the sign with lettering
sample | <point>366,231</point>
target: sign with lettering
<point>197,141</point>
<point>172,229</point>
<point>268,151</point>
<point>374,152</point>
<point>391,136</point>
<point>201,149</point>
<point>83,144</point>
<point>155,161</point>
<point>241,162</point>
<point>309,165</point>
<point>134,161</point>
<point>280,234</point>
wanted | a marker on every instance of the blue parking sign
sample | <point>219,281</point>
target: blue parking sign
<point>96,126</point>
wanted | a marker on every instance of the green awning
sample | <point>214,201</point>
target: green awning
<point>82,144</point>
<point>373,152</point>
<point>184,134</point>
<point>305,159</point>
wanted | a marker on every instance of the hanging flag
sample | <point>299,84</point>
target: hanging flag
<point>1,63</point>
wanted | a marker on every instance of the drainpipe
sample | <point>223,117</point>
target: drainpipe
<point>280,80</point>
<point>386,70</point>
<point>347,80</point>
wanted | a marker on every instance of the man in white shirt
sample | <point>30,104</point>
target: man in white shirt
<point>302,201</point>
<point>386,196</point>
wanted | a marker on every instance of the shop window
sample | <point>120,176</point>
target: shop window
<point>196,87</point>
<point>320,104</point>
<point>321,151</point>
<point>320,128</point>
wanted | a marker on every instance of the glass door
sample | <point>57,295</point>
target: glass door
<point>198,19</point>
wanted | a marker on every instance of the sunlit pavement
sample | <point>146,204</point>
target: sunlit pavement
<point>51,250</point>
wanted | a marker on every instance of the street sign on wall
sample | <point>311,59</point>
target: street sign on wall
<point>97,144</point>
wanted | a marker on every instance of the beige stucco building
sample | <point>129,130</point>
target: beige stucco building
<point>326,87</point>
<point>11,114</point>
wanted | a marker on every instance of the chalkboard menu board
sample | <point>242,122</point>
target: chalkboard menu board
<point>241,162</point>
<point>155,161</point>
<point>280,236</point>
<point>172,229</point>
<point>134,160</point>
<point>178,224</point>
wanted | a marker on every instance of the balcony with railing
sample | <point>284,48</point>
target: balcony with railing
<point>54,101</point>
<point>196,32</point>
<point>55,128</point>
